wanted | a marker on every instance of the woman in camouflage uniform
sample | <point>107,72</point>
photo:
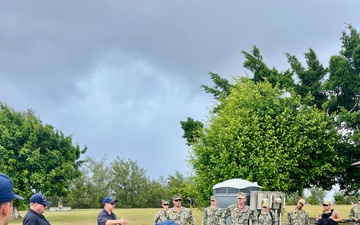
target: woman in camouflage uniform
<point>265,216</point>
<point>162,214</point>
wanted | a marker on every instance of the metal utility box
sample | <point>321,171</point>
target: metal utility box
<point>226,192</point>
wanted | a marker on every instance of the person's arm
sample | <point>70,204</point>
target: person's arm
<point>288,219</point>
<point>318,217</point>
<point>336,216</point>
<point>120,221</point>
<point>307,219</point>
<point>191,218</point>
<point>156,217</point>
<point>204,217</point>
<point>352,214</point>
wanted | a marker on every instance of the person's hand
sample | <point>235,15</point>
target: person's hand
<point>124,221</point>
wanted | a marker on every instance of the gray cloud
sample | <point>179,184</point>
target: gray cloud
<point>119,75</point>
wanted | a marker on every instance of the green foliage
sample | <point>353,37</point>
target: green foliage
<point>265,135</point>
<point>36,156</point>
<point>317,195</point>
<point>254,63</point>
<point>310,79</point>
<point>192,129</point>
<point>342,199</point>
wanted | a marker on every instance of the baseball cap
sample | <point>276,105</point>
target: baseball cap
<point>241,195</point>
<point>266,204</point>
<point>213,198</point>
<point>327,202</point>
<point>302,201</point>
<point>7,189</point>
<point>164,202</point>
<point>176,197</point>
<point>39,198</point>
<point>109,199</point>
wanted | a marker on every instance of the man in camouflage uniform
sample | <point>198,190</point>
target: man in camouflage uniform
<point>239,213</point>
<point>162,214</point>
<point>179,214</point>
<point>265,216</point>
<point>212,214</point>
<point>298,216</point>
<point>355,212</point>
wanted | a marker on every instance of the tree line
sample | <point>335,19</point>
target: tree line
<point>287,130</point>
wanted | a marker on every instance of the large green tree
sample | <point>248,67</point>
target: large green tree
<point>36,156</point>
<point>264,134</point>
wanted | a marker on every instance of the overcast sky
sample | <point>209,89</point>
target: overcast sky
<point>119,76</point>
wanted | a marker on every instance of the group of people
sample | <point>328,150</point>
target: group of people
<point>240,213</point>
<point>38,205</point>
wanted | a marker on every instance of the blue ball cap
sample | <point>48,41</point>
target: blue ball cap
<point>40,199</point>
<point>109,199</point>
<point>7,189</point>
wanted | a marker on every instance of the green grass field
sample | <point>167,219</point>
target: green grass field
<point>145,216</point>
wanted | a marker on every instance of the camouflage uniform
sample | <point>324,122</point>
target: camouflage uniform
<point>238,216</point>
<point>265,219</point>
<point>182,217</point>
<point>160,216</point>
<point>212,216</point>
<point>298,218</point>
<point>355,213</point>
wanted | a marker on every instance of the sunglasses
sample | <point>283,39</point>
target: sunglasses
<point>166,204</point>
<point>112,203</point>
<point>325,205</point>
<point>264,207</point>
<point>177,200</point>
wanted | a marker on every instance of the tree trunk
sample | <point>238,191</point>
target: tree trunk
<point>16,213</point>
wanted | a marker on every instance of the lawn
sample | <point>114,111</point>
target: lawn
<point>145,216</point>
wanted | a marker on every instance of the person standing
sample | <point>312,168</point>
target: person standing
<point>7,196</point>
<point>162,214</point>
<point>298,216</point>
<point>179,214</point>
<point>106,216</point>
<point>239,213</point>
<point>355,212</point>
<point>328,216</point>
<point>265,216</point>
<point>212,214</point>
<point>38,205</point>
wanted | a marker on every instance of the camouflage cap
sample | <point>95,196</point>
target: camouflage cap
<point>176,197</point>
<point>213,198</point>
<point>302,201</point>
<point>327,202</point>
<point>266,204</point>
<point>241,195</point>
<point>163,202</point>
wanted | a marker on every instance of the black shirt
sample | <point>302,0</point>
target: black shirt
<point>34,218</point>
<point>104,216</point>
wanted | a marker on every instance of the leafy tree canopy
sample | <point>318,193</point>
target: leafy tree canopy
<point>36,156</point>
<point>264,134</point>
